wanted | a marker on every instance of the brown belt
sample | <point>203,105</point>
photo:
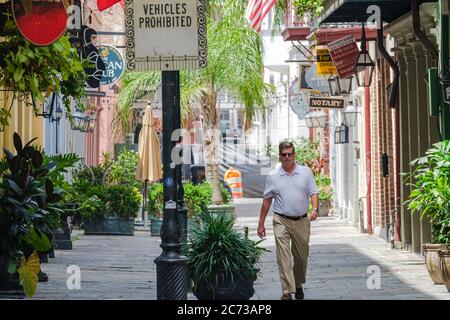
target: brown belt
<point>292,218</point>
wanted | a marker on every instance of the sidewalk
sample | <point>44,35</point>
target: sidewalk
<point>114,267</point>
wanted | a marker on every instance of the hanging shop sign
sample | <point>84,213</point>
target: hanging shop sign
<point>41,22</point>
<point>311,81</point>
<point>114,64</point>
<point>325,66</point>
<point>164,35</point>
<point>89,52</point>
<point>329,103</point>
<point>344,52</point>
<point>298,99</point>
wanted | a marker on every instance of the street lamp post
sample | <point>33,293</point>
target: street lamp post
<point>171,266</point>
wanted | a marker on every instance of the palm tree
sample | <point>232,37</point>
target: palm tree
<point>235,64</point>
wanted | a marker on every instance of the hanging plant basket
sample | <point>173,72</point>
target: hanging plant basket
<point>33,73</point>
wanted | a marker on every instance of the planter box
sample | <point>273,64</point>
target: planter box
<point>155,227</point>
<point>109,226</point>
<point>225,289</point>
<point>61,237</point>
<point>229,209</point>
<point>444,257</point>
<point>324,208</point>
<point>432,261</point>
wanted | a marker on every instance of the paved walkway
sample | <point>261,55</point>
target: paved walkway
<point>114,267</point>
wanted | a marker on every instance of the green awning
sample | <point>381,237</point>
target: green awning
<point>355,10</point>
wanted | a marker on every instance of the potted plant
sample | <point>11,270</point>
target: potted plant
<point>430,197</point>
<point>226,205</point>
<point>222,261</point>
<point>325,194</point>
<point>27,214</point>
<point>197,198</point>
<point>113,210</point>
<point>156,208</point>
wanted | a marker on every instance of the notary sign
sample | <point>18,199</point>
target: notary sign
<point>329,103</point>
<point>165,35</point>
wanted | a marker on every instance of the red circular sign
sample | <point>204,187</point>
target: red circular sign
<point>40,22</point>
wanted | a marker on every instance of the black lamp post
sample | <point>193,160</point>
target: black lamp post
<point>364,66</point>
<point>445,83</point>
<point>171,266</point>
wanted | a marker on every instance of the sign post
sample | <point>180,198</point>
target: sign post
<point>167,36</point>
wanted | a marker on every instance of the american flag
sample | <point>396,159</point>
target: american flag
<point>257,11</point>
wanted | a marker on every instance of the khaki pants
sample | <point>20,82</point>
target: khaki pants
<point>292,240</point>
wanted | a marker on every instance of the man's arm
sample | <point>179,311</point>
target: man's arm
<point>315,204</point>
<point>267,202</point>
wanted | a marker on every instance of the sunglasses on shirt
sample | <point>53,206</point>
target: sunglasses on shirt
<point>288,154</point>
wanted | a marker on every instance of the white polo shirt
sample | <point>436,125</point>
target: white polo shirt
<point>290,192</point>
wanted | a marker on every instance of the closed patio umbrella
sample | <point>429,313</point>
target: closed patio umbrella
<point>149,165</point>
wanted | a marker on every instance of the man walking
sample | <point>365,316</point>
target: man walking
<point>291,185</point>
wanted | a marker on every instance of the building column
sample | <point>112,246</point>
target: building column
<point>413,133</point>
<point>405,189</point>
<point>422,125</point>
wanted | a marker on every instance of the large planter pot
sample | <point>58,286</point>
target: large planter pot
<point>324,208</point>
<point>109,226</point>
<point>9,284</point>
<point>432,261</point>
<point>61,237</point>
<point>240,289</point>
<point>444,257</point>
<point>155,227</point>
<point>229,209</point>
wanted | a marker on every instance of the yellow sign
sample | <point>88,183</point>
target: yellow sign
<point>325,65</point>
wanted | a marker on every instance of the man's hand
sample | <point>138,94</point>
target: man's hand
<point>313,215</point>
<point>261,231</point>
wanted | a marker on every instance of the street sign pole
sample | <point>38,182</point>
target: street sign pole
<point>171,266</point>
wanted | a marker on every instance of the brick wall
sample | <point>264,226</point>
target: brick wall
<point>383,141</point>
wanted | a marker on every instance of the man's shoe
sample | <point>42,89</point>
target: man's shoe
<point>286,296</point>
<point>299,295</point>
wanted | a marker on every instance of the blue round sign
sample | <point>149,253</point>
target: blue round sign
<point>114,63</point>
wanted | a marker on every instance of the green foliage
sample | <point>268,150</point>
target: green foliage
<point>27,199</point>
<point>307,153</point>
<point>323,182</point>
<point>214,244</point>
<point>28,273</point>
<point>197,197</point>
<point>311,7</point>
<point>124,201</point>
<point>226,195</point>
<point>35,71</point>
<point>123,170</point>
<point>92,175</point>
<point>430,195</point>
<point>156,200</point>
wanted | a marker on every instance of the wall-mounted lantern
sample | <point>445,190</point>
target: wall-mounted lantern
<point>350,114</point>
<point>364,66</point>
